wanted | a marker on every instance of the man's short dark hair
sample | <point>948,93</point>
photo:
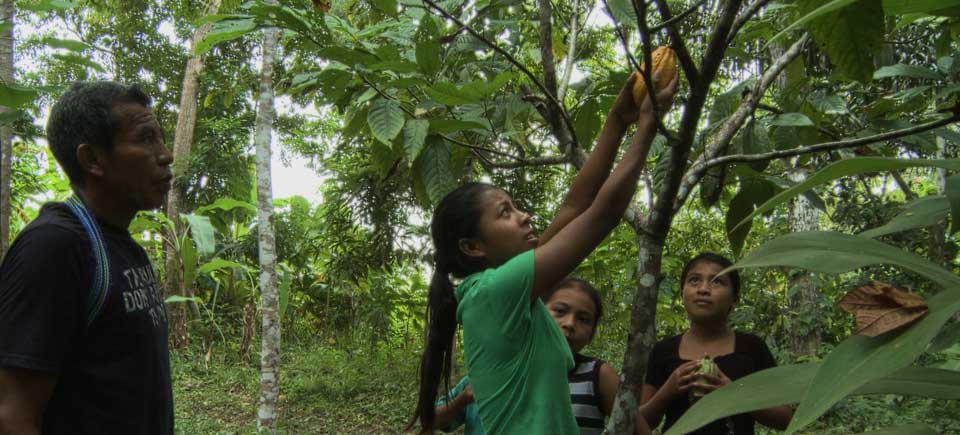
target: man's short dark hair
<point>84,114</point>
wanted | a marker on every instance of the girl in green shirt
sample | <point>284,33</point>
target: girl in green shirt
<point>516,355</point>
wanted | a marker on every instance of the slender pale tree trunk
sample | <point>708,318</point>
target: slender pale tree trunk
<point>6,133</point>
<point>803,294</point>
<point>182,143</point>
<point>270,333</point>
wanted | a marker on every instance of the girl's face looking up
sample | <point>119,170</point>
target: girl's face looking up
<point>575,314</point>
<point>504,231</point>
<point>707,296</point>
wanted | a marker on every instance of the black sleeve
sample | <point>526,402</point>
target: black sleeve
<point>656,375</point>
<point>762,356</point>
<point>41,283</point>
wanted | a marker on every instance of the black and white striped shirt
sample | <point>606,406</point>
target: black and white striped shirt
<point>584,394</point>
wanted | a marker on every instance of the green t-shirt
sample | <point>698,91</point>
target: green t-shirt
<point>516,355</point>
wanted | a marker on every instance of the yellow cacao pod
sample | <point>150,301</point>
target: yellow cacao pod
<point>664,63</point>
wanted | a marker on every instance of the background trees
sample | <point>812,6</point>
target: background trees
<point>395,102</point>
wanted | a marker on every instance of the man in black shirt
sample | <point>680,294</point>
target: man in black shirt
<point>83,330</point>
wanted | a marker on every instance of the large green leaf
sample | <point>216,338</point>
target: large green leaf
<point>792,120</point>
<point>14,96</point>
<point>845,168</point>
<point>912,71</point>
<point>953,195</point>
<point>428,46</point>
<point>901,7</point>
<point>385,119</point>
<point>414,137</point>
<point>753,191</point>
<point>449,94</point>
<point>68,44</point>
<point>820,11</point>
<point>623,12</point>
<point>785,385</point>
<point>202,232</point>
<point>45,5</point>
<point>225,30</point>
<point>388,7</point>
<point>860,359</point>
<point>831,252</point>
<point>434,169</point>
<point>851,36</point>
<point>217,264</point>
<point>188,259</point>
<point>227,204</point>
<point>920,213</point>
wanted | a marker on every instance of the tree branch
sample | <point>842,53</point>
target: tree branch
<point>747,14</point>
<point>676,19</point>
<point>537,161</point>
<point>904,186</point>
<point>831,146</point>
<point>571,52</point>
<point>662,213</point>
<point>679,44</point>
<point>729,129</point>
<point>514,62</point>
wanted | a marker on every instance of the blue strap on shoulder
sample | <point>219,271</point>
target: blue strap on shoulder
<point>101,276</point>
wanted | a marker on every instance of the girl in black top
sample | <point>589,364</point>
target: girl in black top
<point>671,373</point>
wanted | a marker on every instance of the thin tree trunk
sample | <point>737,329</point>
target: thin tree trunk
<point>270,335</point>
<point>182,143</point>
<point>803,300</point>
<point>642,337</point>
<point>6,133</point>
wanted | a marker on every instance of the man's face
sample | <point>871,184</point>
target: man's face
<point>136,173</point>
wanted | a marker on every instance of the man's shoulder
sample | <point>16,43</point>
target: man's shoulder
<point>54,225</point>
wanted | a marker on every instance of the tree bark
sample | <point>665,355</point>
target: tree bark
<point>642,337</point>
<point>6,133</point>
<point>182,144</point>
<point>270,333</point>
<point>804,315</point>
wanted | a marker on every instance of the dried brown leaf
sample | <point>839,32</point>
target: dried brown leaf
<point>880,307</point>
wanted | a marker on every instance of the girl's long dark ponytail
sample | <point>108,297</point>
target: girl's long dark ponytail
<point>436,362</point>
<point>456,217</point>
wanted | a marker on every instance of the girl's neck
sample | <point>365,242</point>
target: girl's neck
<point>709,331</point>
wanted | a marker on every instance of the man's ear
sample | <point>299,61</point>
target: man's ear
<point>89,159</point>
<point>472,248</point>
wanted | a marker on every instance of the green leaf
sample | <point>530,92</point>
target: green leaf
<point>177,298</point>
<point>586,122</point>
<point>953,195</point>
<point>388,7</point>
<point>188,259</point>
<point>428,46</point>
<point>816,13</point>
<point>753,191</point>
<point>792,120</point>
<point>385,119</point>
<point>75,59</point>
<point>45,5</point>
<point>444,125</point>
<point>14,96</point>
<point>910,429</point>
<point>414,137</point>
<point>222,31</point>
<point>851,36</point>
<point>947,337</point>
<point>920,213</point>
<point>217,264</point>
<point>754,140</point>
<point>434,168</point>
<point>785,385</point>
<point>831,252</point>
<point>203,233</point>
<point>859,360</point>
<point>449,94</point>
<point>623,12</point>
<point>845,168</point>
<point>912,71</point>
<point>902,7</point>
<point>283,287</point>
<point>226,204</point>
<point>68,44</point>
